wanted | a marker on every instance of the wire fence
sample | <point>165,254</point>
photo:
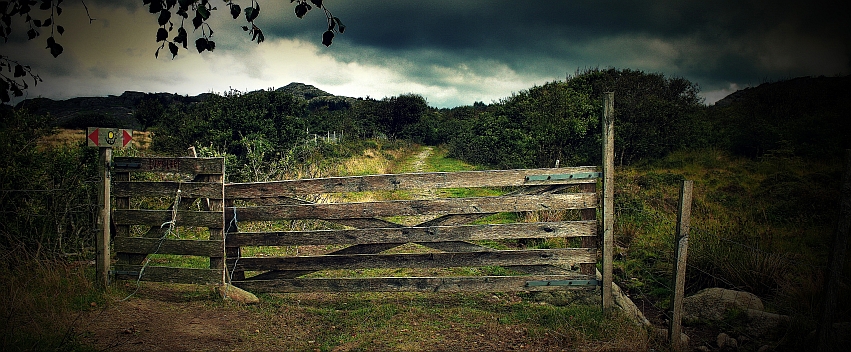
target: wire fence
<point>53,221</point>
<point>788,281</point>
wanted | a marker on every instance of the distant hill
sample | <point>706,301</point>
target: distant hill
<point>807,116</point>
<point>118,111</point>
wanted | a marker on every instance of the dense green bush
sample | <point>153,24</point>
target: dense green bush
<point>48,196</point>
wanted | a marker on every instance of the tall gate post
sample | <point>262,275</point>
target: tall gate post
<point>826,342</point>
<point>103,257</point>
<point>608,195</point>
<point>683,224</point>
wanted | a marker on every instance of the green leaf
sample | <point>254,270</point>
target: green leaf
<point>165,15</point>
<point>301,10</point>
<point>55,48</point>
<point>204,13</point>
<point>173,49</point>
<point>156,6</point>
<point>327,37</point>
<point>235,10</point>
<point>19,71</point>
<point>340,26</point>
<point>318,3</point>
<point>162,34</point>
<point>60,29</point>
<point>47,23</point>
<point>201,44</point>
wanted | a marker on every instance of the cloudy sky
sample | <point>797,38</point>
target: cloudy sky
<point>451,52</point>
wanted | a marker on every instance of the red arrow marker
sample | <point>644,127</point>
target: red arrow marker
<point>126,138</point>
<point>94,136</point>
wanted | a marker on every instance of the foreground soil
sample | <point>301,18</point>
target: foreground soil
<point>192,318</point>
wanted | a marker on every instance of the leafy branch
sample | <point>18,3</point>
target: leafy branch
<point>202,10</point>
<point>15,84</point>
<point>32,17</point>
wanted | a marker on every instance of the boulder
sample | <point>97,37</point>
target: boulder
<point>726,343</point>
<point>237,294</point>
<point>713,304</point>
<point>762,323</point>
<point>718,304</point>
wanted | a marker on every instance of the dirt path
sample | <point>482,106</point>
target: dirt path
<point>420,162</point>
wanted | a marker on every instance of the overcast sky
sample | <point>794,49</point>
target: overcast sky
<point>451,52</point>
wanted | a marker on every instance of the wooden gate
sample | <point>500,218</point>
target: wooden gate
<point>158,244</point>
<point>453,233</point>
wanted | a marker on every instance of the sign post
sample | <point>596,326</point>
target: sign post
<point>105,139</point>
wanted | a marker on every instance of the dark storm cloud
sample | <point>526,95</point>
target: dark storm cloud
<point>714,42</point>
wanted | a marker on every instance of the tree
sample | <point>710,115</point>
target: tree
<point>171,11</point>
<point>40,15</point>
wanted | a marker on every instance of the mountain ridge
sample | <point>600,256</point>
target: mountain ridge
<point>119,109</point>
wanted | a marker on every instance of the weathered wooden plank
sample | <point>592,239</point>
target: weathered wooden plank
<point>409,284</point>
<point>159,217</point>
<point>608,196</point>
<point>589,214</point>
<point>683,223</point>
<point>427,180</point>
<point>169,274</point>
<point>168,188</point>
<point>189,165</point>
<point>415,234</point>
<point>204,248</point>
<point>564,256</point>
<point>418,207</point>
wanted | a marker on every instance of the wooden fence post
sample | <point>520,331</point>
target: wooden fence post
<point>683,223</point>
<point>608,195</point>
<point>837,259</point>
<point>103,256</point>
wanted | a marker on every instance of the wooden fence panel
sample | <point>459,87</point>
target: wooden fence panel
<point>134,251</point>
<point>367,230</point>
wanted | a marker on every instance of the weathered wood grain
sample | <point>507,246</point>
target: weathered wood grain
<point>169,274</point>
<point>160,217</point>
<point>428,180</point>
<point>563,256</point>
<point>141,245</point>
<point>418,207</point>
<point>188,165</point>
<point>608,195</point>
<point>410,284</point>
<point>168,188</point>
<point>416,234</point>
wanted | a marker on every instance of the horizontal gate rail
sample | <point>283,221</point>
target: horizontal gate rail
<point>563,256</point>
<point>422,180</point>
<point>475,205</point>
<point>416,234</point>
<point>408,284</point>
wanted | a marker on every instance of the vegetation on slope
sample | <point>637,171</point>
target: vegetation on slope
<point>765,162</point>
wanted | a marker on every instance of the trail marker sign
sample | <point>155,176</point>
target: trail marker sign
<point>108,137</point>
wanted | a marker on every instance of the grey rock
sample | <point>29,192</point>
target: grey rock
<point>237,294</point>
<point>763,324</point>
<point>726,343</point>
<point>713,303</point>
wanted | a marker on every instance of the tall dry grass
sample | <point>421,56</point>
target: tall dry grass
<point>41,301</point>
